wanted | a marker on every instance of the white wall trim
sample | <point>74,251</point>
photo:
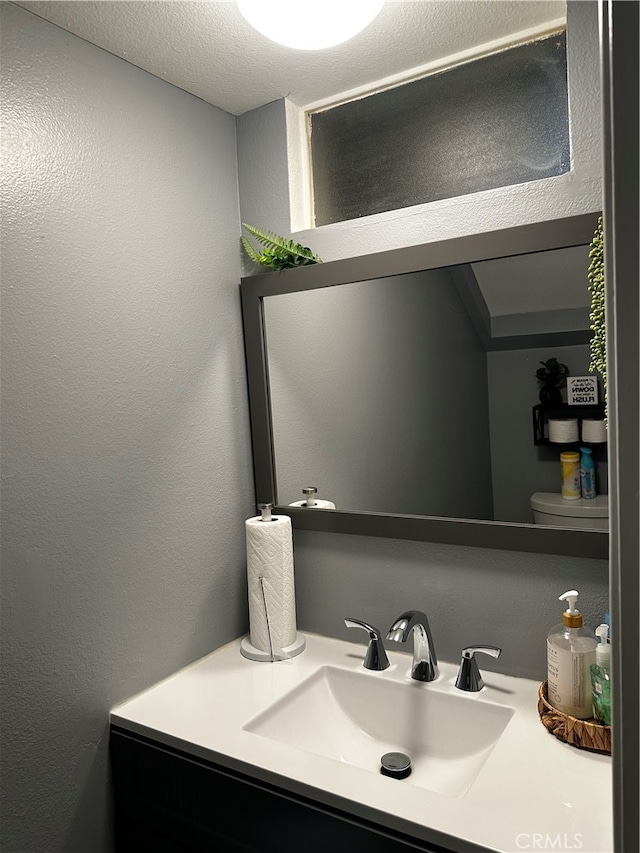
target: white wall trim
<point>299,168</point>
<point>441,64</point>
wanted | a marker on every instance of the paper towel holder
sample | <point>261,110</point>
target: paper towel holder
<point>247,649</point>
<point>265,509</point>
<point>273,654</point>
<point>310,493</point>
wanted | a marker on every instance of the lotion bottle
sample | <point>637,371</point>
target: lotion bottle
<point>571,649</point>
<point>601,678</point>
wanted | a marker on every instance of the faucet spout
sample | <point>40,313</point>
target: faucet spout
<point>425,661</point>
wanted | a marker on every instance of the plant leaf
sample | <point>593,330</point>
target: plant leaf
<point>255,257</point>
<point>283,252</point>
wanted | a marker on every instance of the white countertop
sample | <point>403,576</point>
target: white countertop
<point>534,793</point>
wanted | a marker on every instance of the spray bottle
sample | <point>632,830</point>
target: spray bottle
<point>587,474</point>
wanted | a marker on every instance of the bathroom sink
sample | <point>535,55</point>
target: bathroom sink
<point>317,725</point>
<point>356,717</point>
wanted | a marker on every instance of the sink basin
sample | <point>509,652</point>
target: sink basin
<point>356,717</point>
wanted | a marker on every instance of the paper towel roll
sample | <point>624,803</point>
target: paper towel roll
<point>594,430</point>
<point>270,582</point>
<point>563,430</point>
<point>317,505</point>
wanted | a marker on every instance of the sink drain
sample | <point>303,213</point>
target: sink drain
<point>397,765</point>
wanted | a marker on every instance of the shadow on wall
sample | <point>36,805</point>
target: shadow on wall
<point>93,817</point>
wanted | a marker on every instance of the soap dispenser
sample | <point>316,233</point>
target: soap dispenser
<point>571,649</point>
<point>601,678</point>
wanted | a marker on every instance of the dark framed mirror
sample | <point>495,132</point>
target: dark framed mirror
<point>403,385</point>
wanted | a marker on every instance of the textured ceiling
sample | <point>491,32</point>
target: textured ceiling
<point>208,49</point>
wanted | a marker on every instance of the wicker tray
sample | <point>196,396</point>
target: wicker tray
<point>584,734</point>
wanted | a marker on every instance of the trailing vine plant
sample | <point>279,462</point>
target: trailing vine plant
<point>598,344</point>
<point>278,253</point>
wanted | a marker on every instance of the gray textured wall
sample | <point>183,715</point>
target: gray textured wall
<point>471,595</point>
<point>126,454</point>
<point>375,386</point>
<point>261,188</point>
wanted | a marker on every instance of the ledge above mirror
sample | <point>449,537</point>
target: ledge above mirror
<point>361,517</point>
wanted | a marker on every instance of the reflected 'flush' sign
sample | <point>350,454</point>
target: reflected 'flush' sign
<point>582,390</point>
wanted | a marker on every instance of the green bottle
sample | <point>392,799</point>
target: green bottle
<point>601,678</point>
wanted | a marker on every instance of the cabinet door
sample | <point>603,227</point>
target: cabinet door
<point>167,801</point>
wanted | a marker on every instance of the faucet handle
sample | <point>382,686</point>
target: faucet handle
<point>469,678</point>
<point>376,656</point>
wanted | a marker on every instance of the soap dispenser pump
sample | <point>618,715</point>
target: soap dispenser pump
<point>571,649</point>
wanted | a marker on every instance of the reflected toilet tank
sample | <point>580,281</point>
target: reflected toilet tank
<point>551,509</point>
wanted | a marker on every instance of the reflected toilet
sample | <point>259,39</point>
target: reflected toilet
<point>551,509</point>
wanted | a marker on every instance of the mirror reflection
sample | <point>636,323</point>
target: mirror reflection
<point>414,394</point>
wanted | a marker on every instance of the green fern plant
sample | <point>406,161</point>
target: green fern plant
<point>278,253</point>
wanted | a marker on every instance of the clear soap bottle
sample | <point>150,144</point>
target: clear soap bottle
<point>571,649</point>
<point>601,678</point>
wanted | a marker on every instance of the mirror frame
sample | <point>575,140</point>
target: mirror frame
<point>522,239</point>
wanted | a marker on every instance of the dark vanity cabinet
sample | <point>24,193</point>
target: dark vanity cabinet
<point>168,801</point>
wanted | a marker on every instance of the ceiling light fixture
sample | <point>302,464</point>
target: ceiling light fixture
<point>309,24</point>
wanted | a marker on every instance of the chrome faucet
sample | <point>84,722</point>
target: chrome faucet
<point>425,662</point>
<point>376,656</point>
<point>469,678</point>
